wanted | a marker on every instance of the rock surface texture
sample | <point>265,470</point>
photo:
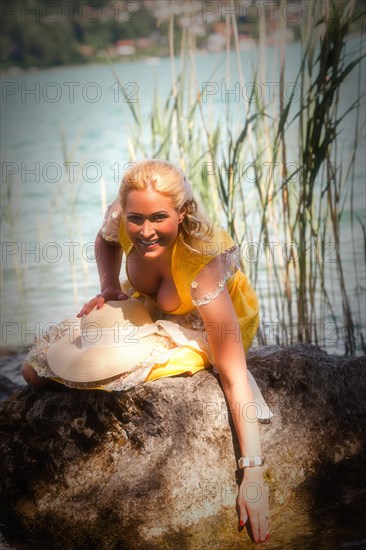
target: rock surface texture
<point>155,467</point>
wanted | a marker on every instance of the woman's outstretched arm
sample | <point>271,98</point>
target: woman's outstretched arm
<point>225,341</point>
<point>109,260</point>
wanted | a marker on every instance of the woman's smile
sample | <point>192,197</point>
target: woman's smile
<point>150,244</point>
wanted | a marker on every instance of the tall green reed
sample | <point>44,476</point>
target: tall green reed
<point>64,200</point>
<point>10,219</point>
<point>301,198</point>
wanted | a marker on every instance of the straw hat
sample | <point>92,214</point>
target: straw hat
<point>110,341</point>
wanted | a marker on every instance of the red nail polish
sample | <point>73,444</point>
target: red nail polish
<point>241,523</point>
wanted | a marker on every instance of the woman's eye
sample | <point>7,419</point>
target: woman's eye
<point>159,218</point>
<point>134,219</point>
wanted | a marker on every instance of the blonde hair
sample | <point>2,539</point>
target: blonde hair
<point>170,181</point>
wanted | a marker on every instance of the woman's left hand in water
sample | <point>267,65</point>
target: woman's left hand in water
<point>253,503</point>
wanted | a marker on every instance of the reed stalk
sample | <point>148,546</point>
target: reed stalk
<point>10,217</point>
<point>65,201</point>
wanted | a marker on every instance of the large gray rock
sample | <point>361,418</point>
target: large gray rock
<point>155,467</point>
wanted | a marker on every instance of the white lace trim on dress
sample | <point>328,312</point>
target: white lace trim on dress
<point>230,264</point>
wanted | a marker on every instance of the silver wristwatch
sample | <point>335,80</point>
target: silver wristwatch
<point>250,461</point>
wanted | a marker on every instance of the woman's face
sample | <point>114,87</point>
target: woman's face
<point>151,222</point>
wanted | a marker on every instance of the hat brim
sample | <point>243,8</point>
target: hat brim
<point>70,362</point>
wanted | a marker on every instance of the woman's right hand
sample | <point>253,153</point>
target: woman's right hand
<point>106,296</point>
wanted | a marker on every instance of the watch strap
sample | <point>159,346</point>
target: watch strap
<point>250,461</point>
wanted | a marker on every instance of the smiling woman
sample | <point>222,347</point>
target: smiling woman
<point>185,306</point>
<point>152,225</point>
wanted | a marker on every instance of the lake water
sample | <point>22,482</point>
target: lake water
<point>48,268</point>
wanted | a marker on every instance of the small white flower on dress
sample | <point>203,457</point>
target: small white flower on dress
<point>109,237</point>
<point>110,226</point>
